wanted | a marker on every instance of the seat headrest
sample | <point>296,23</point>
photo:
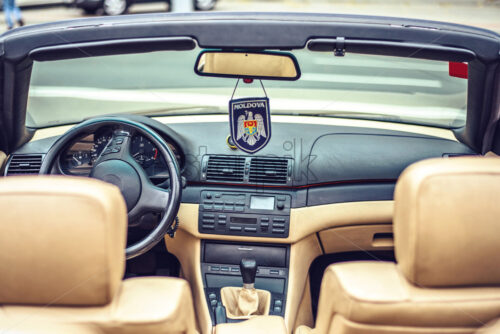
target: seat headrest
<point>62,240</point>
<point>447,222</point>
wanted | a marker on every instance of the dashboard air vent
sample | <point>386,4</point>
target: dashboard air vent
<point>24,164</point>
<point>225,168</point>
<point>268,170</point>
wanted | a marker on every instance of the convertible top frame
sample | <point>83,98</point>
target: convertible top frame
<point>253,31</point>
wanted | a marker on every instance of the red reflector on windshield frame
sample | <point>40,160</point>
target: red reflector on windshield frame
<point>459,70</point>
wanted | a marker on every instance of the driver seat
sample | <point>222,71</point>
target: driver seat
<point>62,260</point>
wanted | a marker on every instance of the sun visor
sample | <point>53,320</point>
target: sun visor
<point>340,46</point>
<point>112,47</point>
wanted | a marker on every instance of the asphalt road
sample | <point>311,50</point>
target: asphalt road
<point>480,13</point>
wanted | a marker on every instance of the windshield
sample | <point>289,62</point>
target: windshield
<point>164,83</point>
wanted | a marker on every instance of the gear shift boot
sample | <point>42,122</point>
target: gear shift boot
<point>241,303</point>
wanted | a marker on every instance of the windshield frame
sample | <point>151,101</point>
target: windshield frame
<point>224,30</point>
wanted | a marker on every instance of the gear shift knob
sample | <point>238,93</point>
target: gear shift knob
<point>248,268</point>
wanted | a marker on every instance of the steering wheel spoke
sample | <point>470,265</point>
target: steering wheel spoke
<point>155,198</point>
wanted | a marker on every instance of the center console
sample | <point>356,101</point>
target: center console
<point>264,214</point>
<point>220,268</point>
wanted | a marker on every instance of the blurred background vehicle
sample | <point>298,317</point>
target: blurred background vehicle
<point>118,7</point>
<point>107,7</point>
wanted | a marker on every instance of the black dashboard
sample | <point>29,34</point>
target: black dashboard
<point>326,162</point>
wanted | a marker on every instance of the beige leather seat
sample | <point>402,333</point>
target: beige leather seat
<point>62,261</point>
<point>447,243</point>
<point>492,327</point>
<point>34,327</point>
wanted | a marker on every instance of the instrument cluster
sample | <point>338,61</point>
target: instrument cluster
<point>79,158</point>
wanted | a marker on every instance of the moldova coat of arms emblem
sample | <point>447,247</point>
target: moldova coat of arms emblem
<point>250,123</point>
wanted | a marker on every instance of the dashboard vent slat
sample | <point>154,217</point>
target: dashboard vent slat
<point>24,164</point>
<point>268,171</point>
<point>225,168</point>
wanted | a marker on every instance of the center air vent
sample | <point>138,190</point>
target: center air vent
<point>247,170</point>
<point>225,168</point>
<point>268,171</point>
<point>24,164</point>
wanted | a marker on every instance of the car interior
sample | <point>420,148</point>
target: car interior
<point>133,200</point>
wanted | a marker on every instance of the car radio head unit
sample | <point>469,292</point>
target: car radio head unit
<point>247,214</point>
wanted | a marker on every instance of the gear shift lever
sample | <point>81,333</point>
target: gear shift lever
<point>242,303</point>
<point>248,268</point>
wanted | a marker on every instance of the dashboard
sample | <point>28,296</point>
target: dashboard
<point>80,155</point>
<point>329,161</point>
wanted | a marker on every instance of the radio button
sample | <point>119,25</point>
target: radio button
<point>264,225</point>
<point>235,270</point>
<point>218,207</point>
<point>281,198</point>
<point>239,208</point>
<point>225,269</point>
<point>264,219</point>
<point>208,227</point>
<point>219,202</point>
<point>222,217</point>
<point>228,209</point>
<point>229,203</point>
<point>250,229</point>
<point>208,215</point>
<point>222,222</point>
<point>278,231</point>
<point>279,225</point>
<point>278,220</point>
<point>235,228</point>
<point>207,208</point>
<point>214,268</point>
<point>207,202</point>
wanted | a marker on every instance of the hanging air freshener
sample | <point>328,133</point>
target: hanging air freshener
<point>250,122</point>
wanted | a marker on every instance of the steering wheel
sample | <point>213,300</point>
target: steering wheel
<point>115,165</point>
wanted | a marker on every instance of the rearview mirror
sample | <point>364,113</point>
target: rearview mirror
<point>252,65</point>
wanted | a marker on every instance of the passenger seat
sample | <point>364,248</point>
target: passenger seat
<point>447,244</point>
